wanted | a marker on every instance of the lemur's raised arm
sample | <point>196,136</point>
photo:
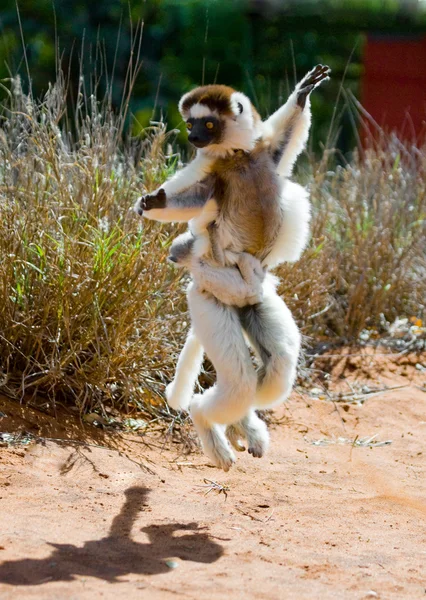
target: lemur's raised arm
<point>287,129</point>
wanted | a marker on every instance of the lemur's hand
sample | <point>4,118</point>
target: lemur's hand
<point>312,80</point>
<point>150,201</point>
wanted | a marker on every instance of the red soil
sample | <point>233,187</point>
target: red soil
<point>133,521</point>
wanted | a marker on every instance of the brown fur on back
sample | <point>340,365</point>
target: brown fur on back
<point>247,191</point>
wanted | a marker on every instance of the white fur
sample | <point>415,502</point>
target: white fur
<point>198,111</point>
<point>236,391</point>
<point>294,232</point>
<point>289,116</point>
<point>281,370</point>
<point>274,125</point>
<point>189,175</point>
<point>172,215</point>
<point>219,331</point>
<point>179,392</point>
<point>240,101</point>
<point>301,127</point>
<point>181,103</point>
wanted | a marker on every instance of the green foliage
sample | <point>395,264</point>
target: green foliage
<point>260,48</point>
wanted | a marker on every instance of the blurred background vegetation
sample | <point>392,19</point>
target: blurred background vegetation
<point>258,46</point>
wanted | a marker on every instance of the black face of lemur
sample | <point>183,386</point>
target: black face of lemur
<point>204,131</point>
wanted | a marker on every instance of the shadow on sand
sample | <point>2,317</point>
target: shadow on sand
<point>117,554</point>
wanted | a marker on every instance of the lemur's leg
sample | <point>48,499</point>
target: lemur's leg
<point>219,330</point>
<point>275,337</point>
<point>228,289</point>
<point>179,392</point>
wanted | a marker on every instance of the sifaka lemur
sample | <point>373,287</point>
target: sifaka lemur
<point>238,182</point>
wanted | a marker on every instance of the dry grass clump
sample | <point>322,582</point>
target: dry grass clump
<point>89,307</point>
<point>90,311</point>
<point>366,264</point>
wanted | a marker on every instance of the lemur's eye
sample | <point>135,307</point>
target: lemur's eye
<point>209,125</point>
<point>189,126</point>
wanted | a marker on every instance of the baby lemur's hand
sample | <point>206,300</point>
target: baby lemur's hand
<point>253,274</point>
<point>150,201</point>
<point>318,74</point>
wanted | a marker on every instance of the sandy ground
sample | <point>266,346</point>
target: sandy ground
<point>308,521</point>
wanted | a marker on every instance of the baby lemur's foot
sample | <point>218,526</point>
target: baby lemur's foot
<point>181,249</point>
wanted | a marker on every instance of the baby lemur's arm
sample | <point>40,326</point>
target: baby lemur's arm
<point>231,285</point>
<point>217,251</point>
<point>238,285</point>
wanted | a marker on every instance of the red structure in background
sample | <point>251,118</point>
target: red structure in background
<point>393,87</point>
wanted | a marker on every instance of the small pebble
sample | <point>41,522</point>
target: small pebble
<point>172,564</point>
<point>315,391</point>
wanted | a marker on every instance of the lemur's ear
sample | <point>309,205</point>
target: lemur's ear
<point>183,111</point>
<point>240,104</point>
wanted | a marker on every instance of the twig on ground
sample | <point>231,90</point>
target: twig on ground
<point>365,442</point>
<point>217,487</point>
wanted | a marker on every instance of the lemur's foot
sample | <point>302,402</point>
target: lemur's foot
<point>178,398</point>
<point>313,79</point>
<point>149,201</point>
<point>217,449</point>
<point>254,430</point>
<point>213,440</point>
<point>235,435</point>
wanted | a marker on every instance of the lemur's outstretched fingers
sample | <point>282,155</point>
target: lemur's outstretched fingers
<point>150,201</point>
<point>315,76</point>
<point>313,79</point>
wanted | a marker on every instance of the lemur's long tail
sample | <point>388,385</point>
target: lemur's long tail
<point>274,335</point>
